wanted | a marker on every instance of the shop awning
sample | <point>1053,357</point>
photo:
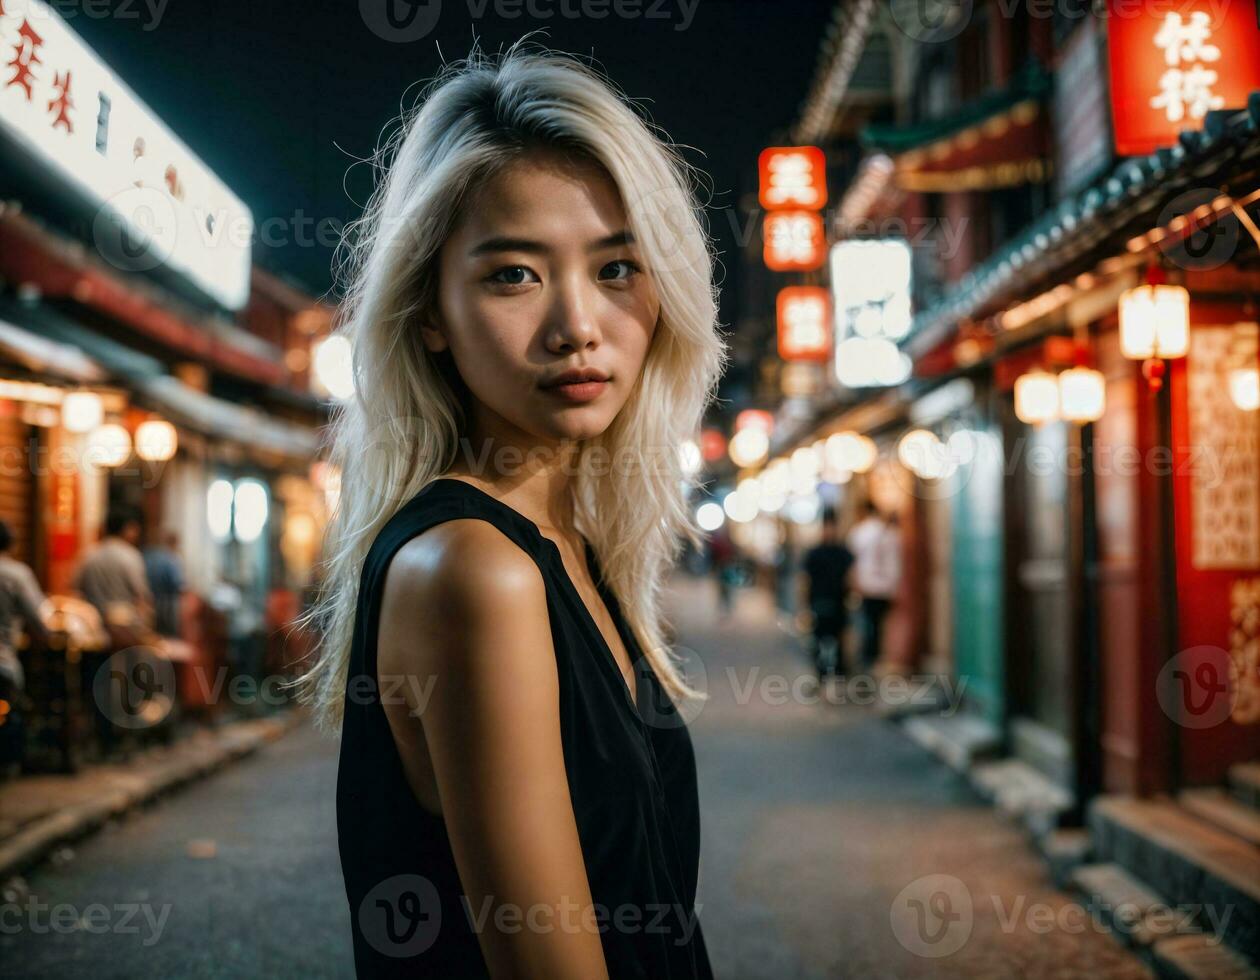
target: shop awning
<point>216,417</point>
<point>32,254</point>
<point>149,382</point>
<point>117,359</point>
<point>1000,140</point>
<point>43,356</point>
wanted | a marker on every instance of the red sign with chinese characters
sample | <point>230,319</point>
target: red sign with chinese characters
<point>804,316</point>
<point>1172,64</point>
<point>793,241</point>
<point>792,177</point>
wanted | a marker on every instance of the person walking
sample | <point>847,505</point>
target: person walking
<point>825,573</point>
<point>876,545</point>
<point>165,574</point>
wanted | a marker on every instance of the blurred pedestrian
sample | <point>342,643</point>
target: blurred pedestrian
<point>722,558</point>
<point>825,575</point>
<point>20,602</point>
<point>876,545</point>
<point>165,573</point>
<point>111,575</point>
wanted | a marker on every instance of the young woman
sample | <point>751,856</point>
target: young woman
<point>533,322</point>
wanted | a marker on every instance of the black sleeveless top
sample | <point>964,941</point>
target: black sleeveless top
<point>631,774</point>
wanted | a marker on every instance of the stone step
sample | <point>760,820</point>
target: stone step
<point>1192,863</point>
<point>1021,791</point>
<point>1225,811</point>
<point>1200,957</point>
<point>959,739</point>
<point>1244,782</point>
<point>1064,850</point>
<point>1122,903</point>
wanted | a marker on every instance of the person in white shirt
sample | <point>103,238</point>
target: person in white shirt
<point>876,545</point>
<point>111,576</point>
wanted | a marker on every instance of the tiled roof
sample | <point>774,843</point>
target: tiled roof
<point>1117,206</point>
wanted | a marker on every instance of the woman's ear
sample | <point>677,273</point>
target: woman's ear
<point>432,337</point>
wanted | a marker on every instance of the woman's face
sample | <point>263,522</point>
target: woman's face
<point>542,277</point>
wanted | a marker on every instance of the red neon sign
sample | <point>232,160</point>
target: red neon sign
<point>792,177</point>
<point>1169,68</point>
<point>804,319</point>
<point>793,241</point>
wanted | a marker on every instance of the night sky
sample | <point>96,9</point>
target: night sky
<point>280,98</point>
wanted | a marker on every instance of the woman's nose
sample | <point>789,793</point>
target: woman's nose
<point>573,323</point>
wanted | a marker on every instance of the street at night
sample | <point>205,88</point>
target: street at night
<point>819,815</point>
<point>630,489</point>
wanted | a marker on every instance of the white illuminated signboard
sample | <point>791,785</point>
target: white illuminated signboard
<point>870,288</point>
<point>64,106</point>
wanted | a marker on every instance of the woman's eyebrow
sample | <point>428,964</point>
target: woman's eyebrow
<point>505,244</point>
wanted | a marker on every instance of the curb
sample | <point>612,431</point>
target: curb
<point>37,839</point>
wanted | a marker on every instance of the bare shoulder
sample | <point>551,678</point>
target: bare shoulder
<point>458,580</point>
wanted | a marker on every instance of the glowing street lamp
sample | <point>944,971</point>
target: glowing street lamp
<point>82,411</point>
<point>156,440</point>
<point>1036,398</point>
<point>1082,394</point>
<point>1244,388</point>
<point>109,445</point>
<point>1154,322</point>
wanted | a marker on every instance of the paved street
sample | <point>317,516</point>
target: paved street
<point>833,847</point>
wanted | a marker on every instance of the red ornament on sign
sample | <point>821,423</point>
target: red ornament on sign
<point>792,177</point>
<point>712,445</point>
<point>804,317</point>
<point>793,241</point>
<point>1173,64</point>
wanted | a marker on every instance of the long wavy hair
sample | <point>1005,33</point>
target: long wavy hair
<point>403,426</point>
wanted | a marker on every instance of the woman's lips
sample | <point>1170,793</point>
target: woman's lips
<point>582,391</point>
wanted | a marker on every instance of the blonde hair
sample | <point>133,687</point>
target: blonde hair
<point>403,426</point>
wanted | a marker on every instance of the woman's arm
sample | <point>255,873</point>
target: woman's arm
<point>464,613</point>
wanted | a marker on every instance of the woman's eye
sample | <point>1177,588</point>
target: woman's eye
<point>511,275</point>
<point>629,268</point>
